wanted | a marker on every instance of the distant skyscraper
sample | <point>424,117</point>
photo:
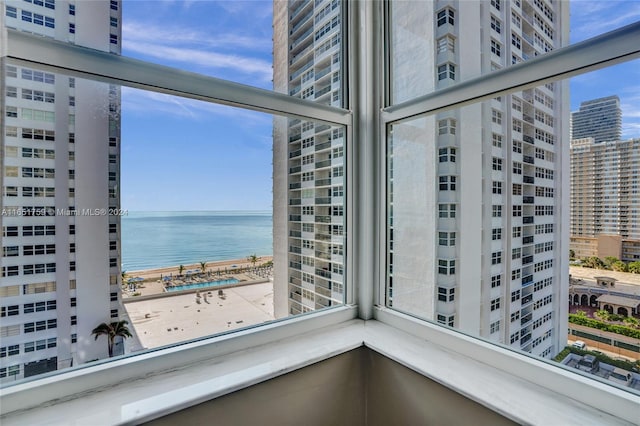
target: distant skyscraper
<point>605,201</point>
<point>308,159</point>
<point>600,119</point>
<point>60,138</point>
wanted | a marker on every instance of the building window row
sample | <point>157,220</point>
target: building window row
<point>32,327</point>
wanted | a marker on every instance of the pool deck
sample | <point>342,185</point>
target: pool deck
<point>177,318</point>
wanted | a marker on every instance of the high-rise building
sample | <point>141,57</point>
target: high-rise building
<point>600,119</point>
<point>476,237</point>
<point>308,159</point>
<point>488,260</point>
<point>605,201</point>
<point>60,177</point>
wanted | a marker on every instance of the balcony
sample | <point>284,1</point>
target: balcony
<point>528,179</point>
<point>528,139</point>
<point>527,260</point>
<point>526,280</point>
<point>527,219</point>
<point>528,199</point>
<point>527,240</point>
<point>526,300</point>
<point>528,159</point>
<point>525,320</point>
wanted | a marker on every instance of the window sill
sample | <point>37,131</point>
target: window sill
<point>158,383</point>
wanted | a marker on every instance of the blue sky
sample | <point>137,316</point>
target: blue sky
<point>181,154</point>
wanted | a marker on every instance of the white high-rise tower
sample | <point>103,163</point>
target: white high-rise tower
<point>60,177</point>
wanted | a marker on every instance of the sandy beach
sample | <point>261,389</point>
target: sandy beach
<point>212,266</point>
<point>153,283</point>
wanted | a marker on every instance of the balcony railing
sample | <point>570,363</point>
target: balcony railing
<point>527,219</point>
<point>528,179</point>
<point>323,200</point>
<point>528,199</point>
<point>526,300</point>
<point>527,279</point>
<point>295,185</point>
<point>527,260</point>
<point>528,159</point>
<point>527,240</point>
<point>322,146</point>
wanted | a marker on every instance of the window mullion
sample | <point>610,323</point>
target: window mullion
<point>113,69</point>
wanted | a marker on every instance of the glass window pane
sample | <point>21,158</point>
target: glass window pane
<point>434,46</point>
<point>475,218</point>
<point>184,218</point>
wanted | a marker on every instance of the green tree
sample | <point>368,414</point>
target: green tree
<point>203,266</point>
<point>593,262</point>
<point>634,267</point>
<point>112,330</point>
<point>603,315</point>
<point>619,266</point>
<point>180,269</point>
<point>631,322</point>
<point>581,313</point>
<point>610,260</point>
<point>124,276</point>
<point>253,259</point>
<point>572,254</point>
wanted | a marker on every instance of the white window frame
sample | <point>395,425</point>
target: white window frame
<point>533,391</point>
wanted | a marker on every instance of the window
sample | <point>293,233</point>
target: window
<point>446,266</point>
<point>447,183</point>
<point>495,304</point>
<point>446,294</point>
<point>446,16</point>
<point>447,154</point>
<point>495,48</point>
<point>517,189</point>
<point>496,234</point>
<point>497,187</point>
<point>497,163</point>
<point>447,238</point>
<point>496,281</point>
<point>496,258</point>
<point>496,140</point>
<point>496,116</point>
<point>447,71</point>
<point>496,25</point>
<point>447,126</point>
<point>446,44</point>
<point>447,211</point>
<point>494,327</point>
<point>496,211</point>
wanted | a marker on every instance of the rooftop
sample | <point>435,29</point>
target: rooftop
<point>177,318</point>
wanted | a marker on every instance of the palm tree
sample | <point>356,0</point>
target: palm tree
<point>124,276</point>
<point>180,269</point>
<point>253,259</point>
<point>203,266</point>
<point>112,330</point>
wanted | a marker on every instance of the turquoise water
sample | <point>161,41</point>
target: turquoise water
<point>202,285</point>
<point>158,239</point>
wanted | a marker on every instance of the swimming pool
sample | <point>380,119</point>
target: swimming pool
<point>202,285</point>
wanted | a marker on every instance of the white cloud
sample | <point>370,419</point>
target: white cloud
<point>591,18</point>
<point>145,102</point>
<point>134,31</point>
<point>260,68</point>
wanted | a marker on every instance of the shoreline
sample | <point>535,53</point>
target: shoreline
<point>213,266</point>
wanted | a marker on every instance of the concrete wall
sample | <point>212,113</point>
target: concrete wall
<point>360,387</point>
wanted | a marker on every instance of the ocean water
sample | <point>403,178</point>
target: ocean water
<point>158,239</point>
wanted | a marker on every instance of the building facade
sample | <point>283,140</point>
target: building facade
<point>308,159</point>
<point>600,119</point>
<point>605,198</point>
<point>60,179</point>
<point>476,237</point>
